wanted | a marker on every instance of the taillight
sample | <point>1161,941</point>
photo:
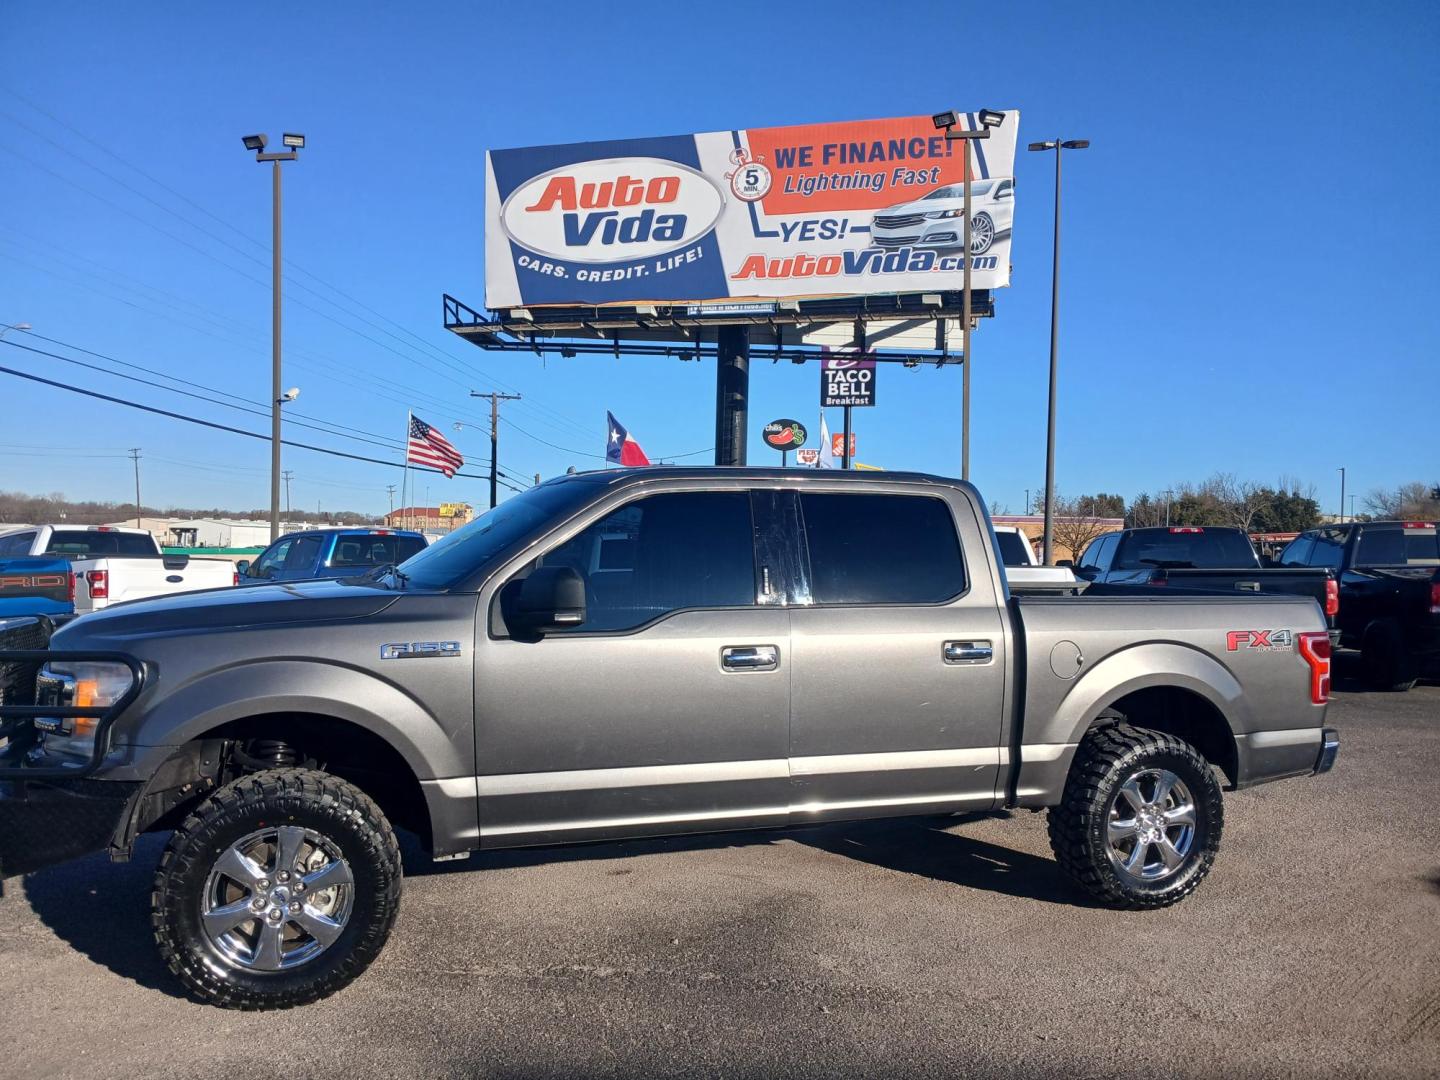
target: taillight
<point>1435,598</point>
<point>1332,598</point>
<point>99,584</point>
<point>72,586</point>
<point>1315,648</point>
<point>235,578</point>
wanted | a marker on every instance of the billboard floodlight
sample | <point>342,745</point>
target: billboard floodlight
<point>945,119</point>
<point>255,142</point>
<point>295,142</point>
<point>991,118</point>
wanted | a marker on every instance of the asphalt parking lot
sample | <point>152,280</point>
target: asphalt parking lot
<point>917,948</point>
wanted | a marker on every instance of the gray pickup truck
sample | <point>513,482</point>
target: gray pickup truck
<point>632,653</point>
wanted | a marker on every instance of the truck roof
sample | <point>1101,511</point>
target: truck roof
<point>862,477</point>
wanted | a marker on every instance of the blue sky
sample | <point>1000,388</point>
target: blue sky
<point>1248,270</point>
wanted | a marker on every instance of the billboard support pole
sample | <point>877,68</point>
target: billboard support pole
<point>732,393</point>
<point>845,442</point>
<point>965,334</point>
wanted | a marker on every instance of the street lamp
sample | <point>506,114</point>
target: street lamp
<point>21,326</point>
<point>1057,145</point>
<point>988,118</point>
<point>293,144</point>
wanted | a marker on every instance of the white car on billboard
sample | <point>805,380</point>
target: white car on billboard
<point>936,220</point>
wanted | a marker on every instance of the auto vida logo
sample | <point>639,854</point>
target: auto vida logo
<point>412,650</point>
<point>612,210</point>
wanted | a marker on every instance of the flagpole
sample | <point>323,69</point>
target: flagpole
<point>405,483</point>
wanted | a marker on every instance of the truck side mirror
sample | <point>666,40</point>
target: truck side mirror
<point>550,598</point>
<point>242,567</point>
<point>1065,562</point>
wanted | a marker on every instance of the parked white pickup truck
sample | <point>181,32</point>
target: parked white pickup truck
<point>108,564</point>
<point>1023,573</point>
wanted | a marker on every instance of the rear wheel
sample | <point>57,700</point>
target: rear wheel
<point>1387,662</point>
<point>1139,823</point>
<point>277,891</point>
<point>982,233</point>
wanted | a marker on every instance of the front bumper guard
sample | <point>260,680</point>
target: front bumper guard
<point>17,729</point>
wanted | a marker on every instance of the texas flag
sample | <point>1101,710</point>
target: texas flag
<point>620,447</point>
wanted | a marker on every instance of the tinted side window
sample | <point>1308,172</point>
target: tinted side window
<point>1329,548</point>
<point>83,542</point>
<point>1297,552</point>
<point>662,554</point>
<point>1013,548</point>
<point>19,544</point>
<point>302,554</point>
<point>881,549</point>
<point>1107,550</point>
<point>271,559</point>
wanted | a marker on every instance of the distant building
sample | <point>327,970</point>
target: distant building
<point>215,532</point>
<point>447,517</point>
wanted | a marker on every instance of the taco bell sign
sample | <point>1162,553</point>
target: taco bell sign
<point>846,381</point>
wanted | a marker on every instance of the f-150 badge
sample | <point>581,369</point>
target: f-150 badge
<point>410,650</point>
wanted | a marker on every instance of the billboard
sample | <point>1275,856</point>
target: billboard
<point>856,208</point>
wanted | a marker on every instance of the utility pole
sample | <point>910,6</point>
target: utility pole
<point>495,400</point>
<point>135,457</point>
<point>293,143</point>
<point>288,474</point>
<point>390,490</point>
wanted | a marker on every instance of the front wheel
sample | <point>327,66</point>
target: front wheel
<point>1139,823</point>
<point>277,890</point>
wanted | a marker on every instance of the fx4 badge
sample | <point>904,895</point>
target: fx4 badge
<point>410,650</point>
<point>1265,640</point>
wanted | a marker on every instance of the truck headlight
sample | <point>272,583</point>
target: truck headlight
<point>84,684</point>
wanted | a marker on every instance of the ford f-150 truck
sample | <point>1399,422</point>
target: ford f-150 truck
<point>329,553</point>
<point>632,653</point>
<point>1389,593</point>
<point>112,564</point>
<point>1195,557</point>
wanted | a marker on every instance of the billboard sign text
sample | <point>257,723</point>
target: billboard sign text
<point>853,208</point>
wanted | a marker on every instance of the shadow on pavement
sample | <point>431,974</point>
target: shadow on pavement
<point>103,910</point>
<point>918,846</point>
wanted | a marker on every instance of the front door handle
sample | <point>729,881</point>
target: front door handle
<point>969,652</point>
<point>750,657</point>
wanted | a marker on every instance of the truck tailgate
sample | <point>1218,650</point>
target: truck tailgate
<point>101,582</point>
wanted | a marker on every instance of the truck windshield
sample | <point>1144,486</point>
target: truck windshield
<point>1209,549</point>
<point>1396,545</point>
<point>494,533</point>
<point>84,543</point>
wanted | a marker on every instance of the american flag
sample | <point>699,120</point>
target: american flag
<point>429,447</point>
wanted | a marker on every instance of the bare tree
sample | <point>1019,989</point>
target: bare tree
<point>1413,500</point>
<point>1076,524</point>
<point>1241,500</point>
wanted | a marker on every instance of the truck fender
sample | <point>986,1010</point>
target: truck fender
<point>1141,667</point>
<point>319,687</point>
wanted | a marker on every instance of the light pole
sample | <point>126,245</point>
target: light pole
<point>1342,494</point>
<point>21,326</point>
<point>1057,145</point>
<point>293,144</point>
<point>989,118</point>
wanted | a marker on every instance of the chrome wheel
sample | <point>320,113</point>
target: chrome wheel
<point>1151,826</point>
<point>982,234</point>
<point>276,899</point>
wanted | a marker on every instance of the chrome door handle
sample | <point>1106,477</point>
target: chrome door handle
<point>750,657</point>
<point>969,652</point>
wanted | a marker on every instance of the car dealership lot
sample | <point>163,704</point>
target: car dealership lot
<point>928,947</point>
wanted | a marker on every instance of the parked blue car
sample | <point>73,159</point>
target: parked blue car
<point>329,553</point>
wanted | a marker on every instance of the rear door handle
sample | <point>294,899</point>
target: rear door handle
<point>750,657</point>
<point>969,652</point>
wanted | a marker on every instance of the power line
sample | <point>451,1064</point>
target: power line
<point>430,348</point>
